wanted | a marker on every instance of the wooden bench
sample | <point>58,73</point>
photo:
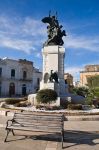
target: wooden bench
<point>41,122</point>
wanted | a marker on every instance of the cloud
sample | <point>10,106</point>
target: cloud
<point>82,42</point>
<point>33,27</point>
<point>22,34</point>
<point>38,55</point>
<point>27,34</point>
<point>20,45</point>
<point>73,69</point>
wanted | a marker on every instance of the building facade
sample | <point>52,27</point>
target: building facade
<point>37,77</point>
<point>90,70</point>
<point>68,79</point>
<point>16,77</point>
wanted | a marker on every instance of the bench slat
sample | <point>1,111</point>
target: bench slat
<point>38,114</point>
<point>39,117</point>
<point>39,122</point>
<point>33,120</point>
<point>36,128</point>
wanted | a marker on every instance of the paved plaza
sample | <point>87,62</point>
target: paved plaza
<point>80,135</point>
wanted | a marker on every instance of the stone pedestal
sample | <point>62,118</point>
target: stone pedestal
<point>32,99</point>
<point>53,86</point>
<point>53,59</point>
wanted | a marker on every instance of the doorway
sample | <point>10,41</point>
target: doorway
<point>12,89</point>
<point>24,89</point>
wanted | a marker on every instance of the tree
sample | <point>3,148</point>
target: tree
<point>46,96</point>
<point>93,84</point>
<point>82,91</point>
<point>93,81</point>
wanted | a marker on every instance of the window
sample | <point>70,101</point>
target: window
<point>11,89</point>
<point>65,81</point>
<point>0,72</point>
<point>38,81</point>
<point>24,89</point>
<point>24,74</point>
<point>12,72</point>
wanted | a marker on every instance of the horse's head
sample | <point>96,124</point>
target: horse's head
<point>47,20</point>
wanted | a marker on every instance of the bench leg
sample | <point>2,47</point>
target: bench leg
<point>6,135</point>
<point>62,138</point>
<point>13,132</point>
<point>63,135</point>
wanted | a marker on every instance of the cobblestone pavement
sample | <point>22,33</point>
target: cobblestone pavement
<point>79,135</point>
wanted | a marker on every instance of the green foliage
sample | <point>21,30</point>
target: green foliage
<point>46,96</point>
<point>48,107</point>
<point>75,106</point>
<point>96,92</point>
<point>93,93</point>
<point>93,81</point>
<point>96,103</point>
<point>82,91</point>
<point>63,103</point>
<point>12,101</point>
<point>22,104</point>
<point>89,100</point>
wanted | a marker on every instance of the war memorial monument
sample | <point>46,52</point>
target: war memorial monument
<point>53,58</point>
<point>53,54</point>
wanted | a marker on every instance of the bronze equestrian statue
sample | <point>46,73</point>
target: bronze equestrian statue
<point>54,31</point>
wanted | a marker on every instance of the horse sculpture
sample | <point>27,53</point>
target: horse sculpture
<point>54,30</point>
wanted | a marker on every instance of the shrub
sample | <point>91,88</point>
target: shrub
<point>46,96</point>
<point>12,101</point>
<point>56,108</point>
<point>96,103</point>
<point>25,98</point>
<point>22,104</point>
<point>63,103</point>
<point>88,100</point>
<point>75,106</point>
<point>48,107</point>
<point>3,105</point>
<point>82,91</point>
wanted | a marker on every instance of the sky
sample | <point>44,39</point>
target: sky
<point>22,33</point>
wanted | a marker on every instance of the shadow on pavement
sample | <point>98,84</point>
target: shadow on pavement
<point>81,137</point>
<point>73,137</point>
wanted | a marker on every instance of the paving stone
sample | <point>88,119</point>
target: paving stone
<point>51,145</point>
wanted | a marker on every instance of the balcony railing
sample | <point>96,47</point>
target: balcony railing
<point>25,79</point>
<point>15,79</point>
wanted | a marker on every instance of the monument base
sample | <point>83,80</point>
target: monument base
<point>32,99</point>
<point>50,85</point>
<point>53,60</point>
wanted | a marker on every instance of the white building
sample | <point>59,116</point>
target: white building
<point>37,77</point>
<point>18,77</point>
